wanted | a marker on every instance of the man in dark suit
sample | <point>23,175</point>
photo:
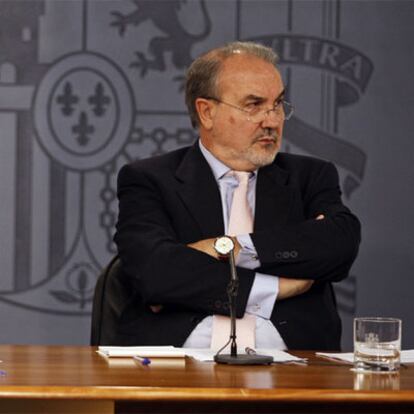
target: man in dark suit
<point>173,207</point>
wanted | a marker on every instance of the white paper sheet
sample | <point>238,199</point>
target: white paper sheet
<point>143,351</point>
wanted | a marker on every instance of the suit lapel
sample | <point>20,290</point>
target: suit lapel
<point>199,192</point>
<point>273,197</point>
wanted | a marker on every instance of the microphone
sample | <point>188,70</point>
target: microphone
<point>224,246</point>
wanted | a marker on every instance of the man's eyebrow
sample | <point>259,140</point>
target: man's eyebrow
<point>253,97</point>
<point>257,98</point>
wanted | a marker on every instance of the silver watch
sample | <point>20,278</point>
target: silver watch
<point>224,245</point>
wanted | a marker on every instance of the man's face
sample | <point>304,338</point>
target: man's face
<point>249,83</point>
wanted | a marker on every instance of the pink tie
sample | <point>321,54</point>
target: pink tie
<point>240,219</point>
<point>240,222</point>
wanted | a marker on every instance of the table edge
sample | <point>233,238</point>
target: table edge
<point>201,395</point>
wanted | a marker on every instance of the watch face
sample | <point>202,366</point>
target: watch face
<point>224,245</point>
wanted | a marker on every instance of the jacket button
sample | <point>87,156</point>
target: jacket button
<point>294,254</point>
<point>286,255</point>
<point>278,255</point>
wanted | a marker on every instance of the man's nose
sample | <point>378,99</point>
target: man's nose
<point>272,119</point>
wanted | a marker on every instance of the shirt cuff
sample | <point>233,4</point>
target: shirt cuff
<point>263,295</point>
<point>247,257</point>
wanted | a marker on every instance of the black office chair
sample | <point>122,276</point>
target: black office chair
<point>110,297</point>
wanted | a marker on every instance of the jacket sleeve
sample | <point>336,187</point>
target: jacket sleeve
<point>323,250</point>
<point>158,262</point>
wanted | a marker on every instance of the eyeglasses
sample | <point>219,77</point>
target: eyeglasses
<point>255,114</point>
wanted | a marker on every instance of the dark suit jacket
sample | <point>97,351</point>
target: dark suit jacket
<point>171,200</point>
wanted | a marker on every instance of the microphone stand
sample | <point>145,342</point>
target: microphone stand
<point>234,358</point>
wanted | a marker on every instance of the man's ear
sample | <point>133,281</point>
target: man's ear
<point>206,111</point>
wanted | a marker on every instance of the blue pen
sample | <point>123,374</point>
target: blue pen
<point>143,360</point>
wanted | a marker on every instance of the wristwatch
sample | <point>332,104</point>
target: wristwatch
<point>224,245</point>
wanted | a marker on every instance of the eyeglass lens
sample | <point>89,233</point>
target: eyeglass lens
<point>284,109</point>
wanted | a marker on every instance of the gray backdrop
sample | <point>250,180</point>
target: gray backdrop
<point>86,86</point>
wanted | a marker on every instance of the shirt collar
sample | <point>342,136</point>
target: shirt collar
<point>219,169</point>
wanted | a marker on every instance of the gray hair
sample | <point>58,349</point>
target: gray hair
<point>201,78</point>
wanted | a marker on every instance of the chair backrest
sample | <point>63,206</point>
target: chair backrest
<point>109,300</point>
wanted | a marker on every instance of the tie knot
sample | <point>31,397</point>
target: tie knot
<point>241,176</point>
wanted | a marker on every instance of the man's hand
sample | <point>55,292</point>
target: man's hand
<point>292,287</point>
<point>207,246</point>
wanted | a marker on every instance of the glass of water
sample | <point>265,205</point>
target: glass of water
<point>377,344</point>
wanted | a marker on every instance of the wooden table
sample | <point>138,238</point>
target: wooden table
<point>68,379</point>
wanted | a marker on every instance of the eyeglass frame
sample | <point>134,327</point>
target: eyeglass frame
<point>265,112</point>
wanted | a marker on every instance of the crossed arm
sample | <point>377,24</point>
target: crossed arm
<point>288,287</point>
